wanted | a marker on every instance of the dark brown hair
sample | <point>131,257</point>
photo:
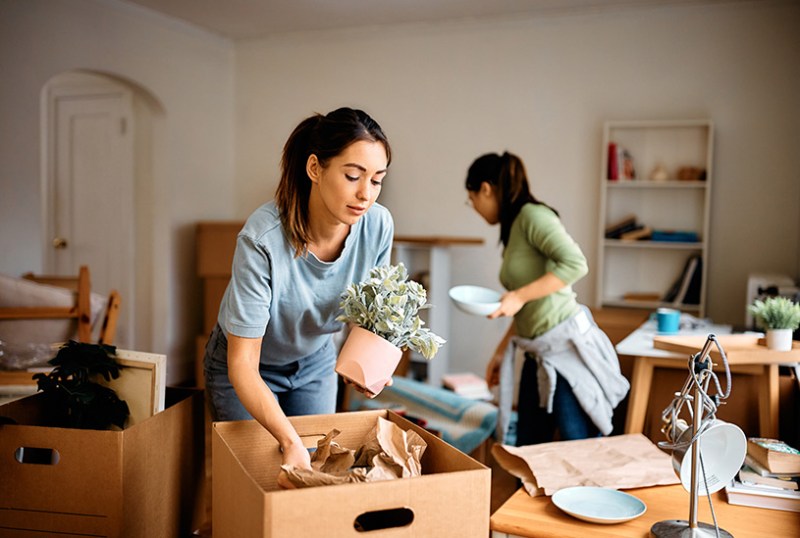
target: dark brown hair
<point>506,174</point>
<point>326,137</point>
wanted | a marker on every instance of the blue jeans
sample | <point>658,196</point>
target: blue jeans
<point>535,425</point>
<point>304,387</point>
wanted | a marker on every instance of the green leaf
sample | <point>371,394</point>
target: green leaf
<point>388,304</point>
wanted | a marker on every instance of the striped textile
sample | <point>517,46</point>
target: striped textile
<point>462,422</point>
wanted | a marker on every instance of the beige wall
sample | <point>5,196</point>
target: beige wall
<point>187,77</point>
<point>445,93</point>
<point>542,88</point>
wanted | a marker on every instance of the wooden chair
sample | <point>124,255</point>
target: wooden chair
<point>81,311</point>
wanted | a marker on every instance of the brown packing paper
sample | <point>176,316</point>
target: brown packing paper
<point>387,453</point>
<point>619,462</point>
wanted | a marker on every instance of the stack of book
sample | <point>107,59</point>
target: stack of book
<point>628,229</point>
<point>468,385</point>
<point>769,478</point>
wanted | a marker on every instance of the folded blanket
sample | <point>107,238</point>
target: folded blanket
<point>462,422</point>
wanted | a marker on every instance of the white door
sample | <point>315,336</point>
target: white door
<point>88,186</point>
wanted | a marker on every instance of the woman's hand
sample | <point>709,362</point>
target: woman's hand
<point>297,456</point>
<point>510,303</point>
<point>493,370</point>
<point>365,391</point>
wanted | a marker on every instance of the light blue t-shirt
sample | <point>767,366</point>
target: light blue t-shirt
<point>292,302</point>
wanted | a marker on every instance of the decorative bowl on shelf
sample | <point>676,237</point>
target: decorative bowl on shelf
<point>475,300</point>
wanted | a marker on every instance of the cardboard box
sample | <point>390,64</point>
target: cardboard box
<point>213,290</point>
<point>450,499</point>
<point>141,481</point>
<point>216,243</point>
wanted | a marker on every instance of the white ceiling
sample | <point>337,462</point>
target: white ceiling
<point>244,19</point>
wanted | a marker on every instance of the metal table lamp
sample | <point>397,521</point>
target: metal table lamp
<point>704,448</point>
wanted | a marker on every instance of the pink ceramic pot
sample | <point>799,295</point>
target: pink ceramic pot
<point>367,360</point>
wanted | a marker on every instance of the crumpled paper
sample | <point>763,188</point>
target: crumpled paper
<point>388,452</point>
<point>618,462</point>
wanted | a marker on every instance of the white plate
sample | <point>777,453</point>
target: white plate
<point>598,505</point>
<point>475,300</point>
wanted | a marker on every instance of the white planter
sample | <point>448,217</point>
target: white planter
<point>779,339</point>
<point>367,360</point>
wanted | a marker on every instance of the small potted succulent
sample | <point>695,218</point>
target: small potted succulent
<point>383,311</point>
<point>779,317</point>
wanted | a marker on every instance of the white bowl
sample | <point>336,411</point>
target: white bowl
<point>475,300</point>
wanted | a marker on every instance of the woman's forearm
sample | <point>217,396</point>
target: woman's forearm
<point>512,302</point>
<point>255,395</point>
<point>541,287</point>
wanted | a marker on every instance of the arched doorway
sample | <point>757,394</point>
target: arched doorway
<point>97,186</point>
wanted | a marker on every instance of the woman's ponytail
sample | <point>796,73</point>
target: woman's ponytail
<point>294,189</point>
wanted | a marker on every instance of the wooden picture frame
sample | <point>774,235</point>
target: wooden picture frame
<point>141,384</point>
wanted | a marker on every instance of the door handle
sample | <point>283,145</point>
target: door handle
<point>59,243</point>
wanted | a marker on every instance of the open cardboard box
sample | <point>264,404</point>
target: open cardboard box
<point>140,481</point>
<point>451,498</point>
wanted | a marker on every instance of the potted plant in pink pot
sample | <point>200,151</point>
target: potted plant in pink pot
<point>383,311</point>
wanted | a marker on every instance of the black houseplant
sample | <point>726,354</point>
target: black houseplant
<point>74,400</point>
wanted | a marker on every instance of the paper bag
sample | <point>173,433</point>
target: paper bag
<point>619,462</point>
<point>388,452</point>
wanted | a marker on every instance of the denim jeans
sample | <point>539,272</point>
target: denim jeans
<point>535,425</point>
<point>304,387</point>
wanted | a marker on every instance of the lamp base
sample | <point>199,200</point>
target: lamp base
<point>679,528</point>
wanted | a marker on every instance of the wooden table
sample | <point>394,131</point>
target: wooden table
<point>744,354</point>
<point>528,517</point>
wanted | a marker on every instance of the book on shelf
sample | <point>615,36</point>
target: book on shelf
<point>637,234</point>
<point>616,229</point>
<point>675,236</point>
<point>686,288</point>
<point>468,385</point>
<point>613,167</point>
<point>641,296</point>
<point>774,455</point>
<point>691,293</point>
<point>762,496</point>
<point>749,476</point>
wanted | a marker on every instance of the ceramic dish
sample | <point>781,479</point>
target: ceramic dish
<point>475,300</point>
<point>598,505</point>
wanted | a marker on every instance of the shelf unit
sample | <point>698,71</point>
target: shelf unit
<point>647,267</point>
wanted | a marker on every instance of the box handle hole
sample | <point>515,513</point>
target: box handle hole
<point>311,441</point>
<point>383,519</point>
<point>37,456</point>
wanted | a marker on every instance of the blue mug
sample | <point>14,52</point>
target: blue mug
<point>668,320</point>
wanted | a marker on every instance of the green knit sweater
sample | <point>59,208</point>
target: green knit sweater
<point>539,244</point>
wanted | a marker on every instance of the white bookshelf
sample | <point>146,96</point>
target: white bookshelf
<point>645,266</point>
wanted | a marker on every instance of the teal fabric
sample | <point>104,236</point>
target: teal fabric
<point>463,423</point>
